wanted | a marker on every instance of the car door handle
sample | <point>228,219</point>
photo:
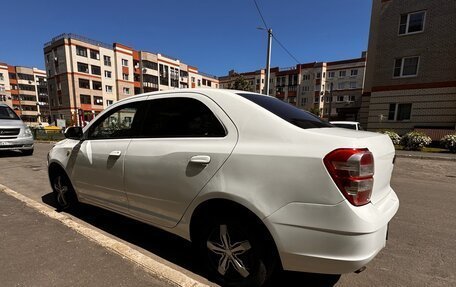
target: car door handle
<point>115,153</point>
<point>201,159</point>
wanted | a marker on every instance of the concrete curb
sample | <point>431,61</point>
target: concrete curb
<point>425,157</point>
<point>154,267</point>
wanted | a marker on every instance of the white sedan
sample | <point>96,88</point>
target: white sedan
<point>255,183</point>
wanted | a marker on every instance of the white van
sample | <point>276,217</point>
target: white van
<point>14,134</point>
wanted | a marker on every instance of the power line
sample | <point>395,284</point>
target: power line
<point>285,49</point>
<point>261,15</point>
<point>273,36</point>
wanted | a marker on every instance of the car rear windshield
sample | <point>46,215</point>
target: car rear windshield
<point>7,114</point>
<point>287,112</point>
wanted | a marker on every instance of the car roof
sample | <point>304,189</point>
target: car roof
<point>212,91</point>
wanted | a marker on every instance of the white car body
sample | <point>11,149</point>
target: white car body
<point>265,164</point>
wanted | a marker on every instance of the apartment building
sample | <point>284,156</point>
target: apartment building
<point>308,86</point>
<point>5,88</point>
<point>255,80</point>
<point>410,80</point>
<point>25,90</point>
<point>85,76</point>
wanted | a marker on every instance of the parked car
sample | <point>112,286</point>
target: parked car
<point>14,134</point>
<point>347,125</point>
<point>255,183</point>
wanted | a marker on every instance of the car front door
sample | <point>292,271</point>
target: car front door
<point>98,169</point>
<point>185,140</point>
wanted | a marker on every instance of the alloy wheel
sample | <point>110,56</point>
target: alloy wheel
<point>61,190</point>
<point>231,254</point>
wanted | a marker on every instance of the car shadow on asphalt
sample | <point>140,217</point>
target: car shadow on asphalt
<point>171,247</point>
<point>11,153</point>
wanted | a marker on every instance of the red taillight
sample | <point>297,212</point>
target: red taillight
<point>352,170</point>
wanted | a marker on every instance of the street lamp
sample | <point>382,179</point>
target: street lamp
<point>268,59</point>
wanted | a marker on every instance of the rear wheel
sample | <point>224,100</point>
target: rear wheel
<point>63,192</point>
<point>235,253</point>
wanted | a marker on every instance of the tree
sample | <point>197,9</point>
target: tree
<point>240,83</point>
<point>315,111</point>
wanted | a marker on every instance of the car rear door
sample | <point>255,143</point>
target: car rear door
<point>185,139</point>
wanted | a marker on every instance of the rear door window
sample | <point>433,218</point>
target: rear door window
<point>180,117</point>
<point>286,111</point>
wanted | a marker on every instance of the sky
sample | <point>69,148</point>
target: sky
<point>215,36</point>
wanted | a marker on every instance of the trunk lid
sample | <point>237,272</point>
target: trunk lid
<point>378,144</point>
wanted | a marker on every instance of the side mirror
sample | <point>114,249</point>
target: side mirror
<point>74,133</point>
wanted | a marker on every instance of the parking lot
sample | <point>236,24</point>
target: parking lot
<point>421,250</point>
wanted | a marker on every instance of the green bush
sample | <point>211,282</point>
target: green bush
<point>449,142</point>
<point>395,138</point>
<point>415,140</point>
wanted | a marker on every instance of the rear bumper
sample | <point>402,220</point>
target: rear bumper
<point>16,144</point>
<point>331,239</point>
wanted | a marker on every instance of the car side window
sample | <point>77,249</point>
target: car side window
<point>180,117</point>
<point>122,122</point>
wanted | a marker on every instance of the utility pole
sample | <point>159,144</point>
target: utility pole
<point>268,62</point>
<point>268,59</point>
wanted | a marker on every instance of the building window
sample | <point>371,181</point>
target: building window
<point>97,100</point>
<point>354,72</point>
<point>83,68</point>
<point>352,85</point>
<point>316,99</point>
<point>86,99</point>
<point>342,74</point>
<point>341,86</point>
<point>81,51</point>
<point>109,102</point>
<point>412,23</point>
<point>96,70</point>
<point>108,89</point>
<point>331,75</point>
<point>96,85</point>
<point>108,74</point>
<point>107,61</point>
<point>124,63</point>
<point>303,101</point>
<point>94,55</point>
<point>125,77</point>
<point>24,87</point>
<point>318,76</point>
<point>150,65</point>
<point>1,77</point>
<point>126,91</point>
<point>305,77</point>
<point>399,112</point>
<point>199,83</point>
<point>406,67</point>
<point>340,99</point>
<point>84,84</point>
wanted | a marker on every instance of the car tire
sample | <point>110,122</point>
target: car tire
<point>27,152</point>
<point>63,191</point>
<point>235,254</point>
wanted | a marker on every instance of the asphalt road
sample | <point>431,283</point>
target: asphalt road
<point>421,250</point>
